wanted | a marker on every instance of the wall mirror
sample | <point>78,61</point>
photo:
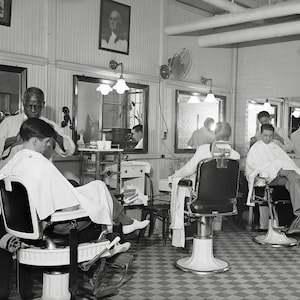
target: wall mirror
<point>112,115</point>
<point>13,83</point>
<point>191,111</point>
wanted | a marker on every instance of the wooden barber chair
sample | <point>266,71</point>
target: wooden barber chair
<point>59,255</point>
<point>277,199</point>
<point>216,191</point>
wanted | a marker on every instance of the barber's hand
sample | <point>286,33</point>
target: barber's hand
<point>279,138</point>
<point>10,243</point>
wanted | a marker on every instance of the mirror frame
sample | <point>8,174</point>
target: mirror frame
<point>78,78</point>
<point>222,115</point>
<point>22,72</point>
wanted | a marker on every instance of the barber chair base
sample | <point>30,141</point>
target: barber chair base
<point>202,260</point>
<point>56,286</point>
<point>275,238</point>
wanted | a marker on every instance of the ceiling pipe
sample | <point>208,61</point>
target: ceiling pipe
<point>265,12</point>
<point>251,34</point>
<point>225,4</point>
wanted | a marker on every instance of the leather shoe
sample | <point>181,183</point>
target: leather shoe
<point>135,226</point>
<point>119,248</point>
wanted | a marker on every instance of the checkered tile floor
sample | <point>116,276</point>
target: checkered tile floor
<point>257,271</point>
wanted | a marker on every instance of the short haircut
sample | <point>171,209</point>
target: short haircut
<point>138,128</point>
<point>223,131</point>
<point>36,92</point>
<point>267,127</point>
<point>263,114</point>
<point>35,127</point>
<point>208,121</point>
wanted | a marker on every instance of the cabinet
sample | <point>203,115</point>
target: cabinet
<point>95,163</point>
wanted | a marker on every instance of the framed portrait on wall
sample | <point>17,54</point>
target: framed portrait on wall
<point>114,26</point>
<point>5,12</point>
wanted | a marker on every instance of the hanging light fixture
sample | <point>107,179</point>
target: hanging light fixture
<point>121,85</point>
<point>296,113</point>
<point>104,88</point>
<point>210,97</point>
<point>267,106</point>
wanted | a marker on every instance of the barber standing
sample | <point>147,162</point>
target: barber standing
<point>33,104</point>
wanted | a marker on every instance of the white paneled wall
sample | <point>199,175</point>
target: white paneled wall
<point>265,71</point>
<point>56,39</point>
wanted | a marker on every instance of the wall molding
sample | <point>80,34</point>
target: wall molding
<point>22,58</point>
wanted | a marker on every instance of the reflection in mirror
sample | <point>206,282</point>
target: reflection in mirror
<point>112,116</point>
<point>13,82</point>
<point>191,112</point>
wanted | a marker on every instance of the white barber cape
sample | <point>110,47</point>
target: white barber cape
<point>267,160</point>
<point>51,191</point>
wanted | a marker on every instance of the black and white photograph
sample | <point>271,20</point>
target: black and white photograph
<point>114,27</point>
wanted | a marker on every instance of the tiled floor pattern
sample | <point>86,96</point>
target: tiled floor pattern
<point>257,271</point>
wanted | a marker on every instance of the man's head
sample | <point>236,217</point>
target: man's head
<point>137,132</point>
<point>33,102</point>
<point>222,131</point>
<point>208,123</point>
<point>264,117</point>
<point>267,133</point>
<point>114,20</point>
<point>37,134</point>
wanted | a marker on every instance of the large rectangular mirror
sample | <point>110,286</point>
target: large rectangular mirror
<point>13,83</point>
<point>191,112</point>
<point>113,115</point>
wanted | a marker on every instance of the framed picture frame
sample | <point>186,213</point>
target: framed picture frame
<point>114,29</point>
<point>5,12</point>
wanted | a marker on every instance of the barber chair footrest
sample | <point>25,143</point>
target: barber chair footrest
<point>275,238</point>
<point>202,260</point>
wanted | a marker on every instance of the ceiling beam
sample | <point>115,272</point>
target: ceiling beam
<point>248,15</point>
<point>250,34</point>
<point>226,5</point>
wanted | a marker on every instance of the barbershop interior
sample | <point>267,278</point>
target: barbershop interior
<point>188,112</point>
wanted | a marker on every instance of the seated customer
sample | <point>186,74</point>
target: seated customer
<point>178,194</point>
<point>51,191</point>
<point>266,157</point>
<point>222,133</point>
<point>280,137</point>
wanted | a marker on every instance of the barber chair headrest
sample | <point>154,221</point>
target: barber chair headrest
<point>221,150</point>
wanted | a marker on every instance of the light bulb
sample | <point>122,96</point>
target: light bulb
<point>210,97</point>
<point>104,89</point>
<point>121,86</point>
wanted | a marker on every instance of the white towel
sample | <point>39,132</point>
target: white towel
<point>177,212</point>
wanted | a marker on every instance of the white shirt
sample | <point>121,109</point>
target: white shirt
<point>51,191</point>
<point>120,45</point>
<point>10,127</point>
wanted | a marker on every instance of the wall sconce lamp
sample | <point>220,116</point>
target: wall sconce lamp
<point>296,113</point>
<point>120,86</point>
<point>267,106</point>
<point>67,118</point>
<point>210,97</point>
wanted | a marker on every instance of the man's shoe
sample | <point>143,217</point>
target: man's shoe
<point>295,226</point>
<point>135,226</point>
<point>119,248</point>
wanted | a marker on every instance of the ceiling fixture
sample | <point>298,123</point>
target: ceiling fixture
<point>296,113</point>
<point>120,86</point>
<point>210,97</point>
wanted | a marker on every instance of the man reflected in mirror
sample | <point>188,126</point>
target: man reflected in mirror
<point>204,135</point>
<point>137,134</point>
